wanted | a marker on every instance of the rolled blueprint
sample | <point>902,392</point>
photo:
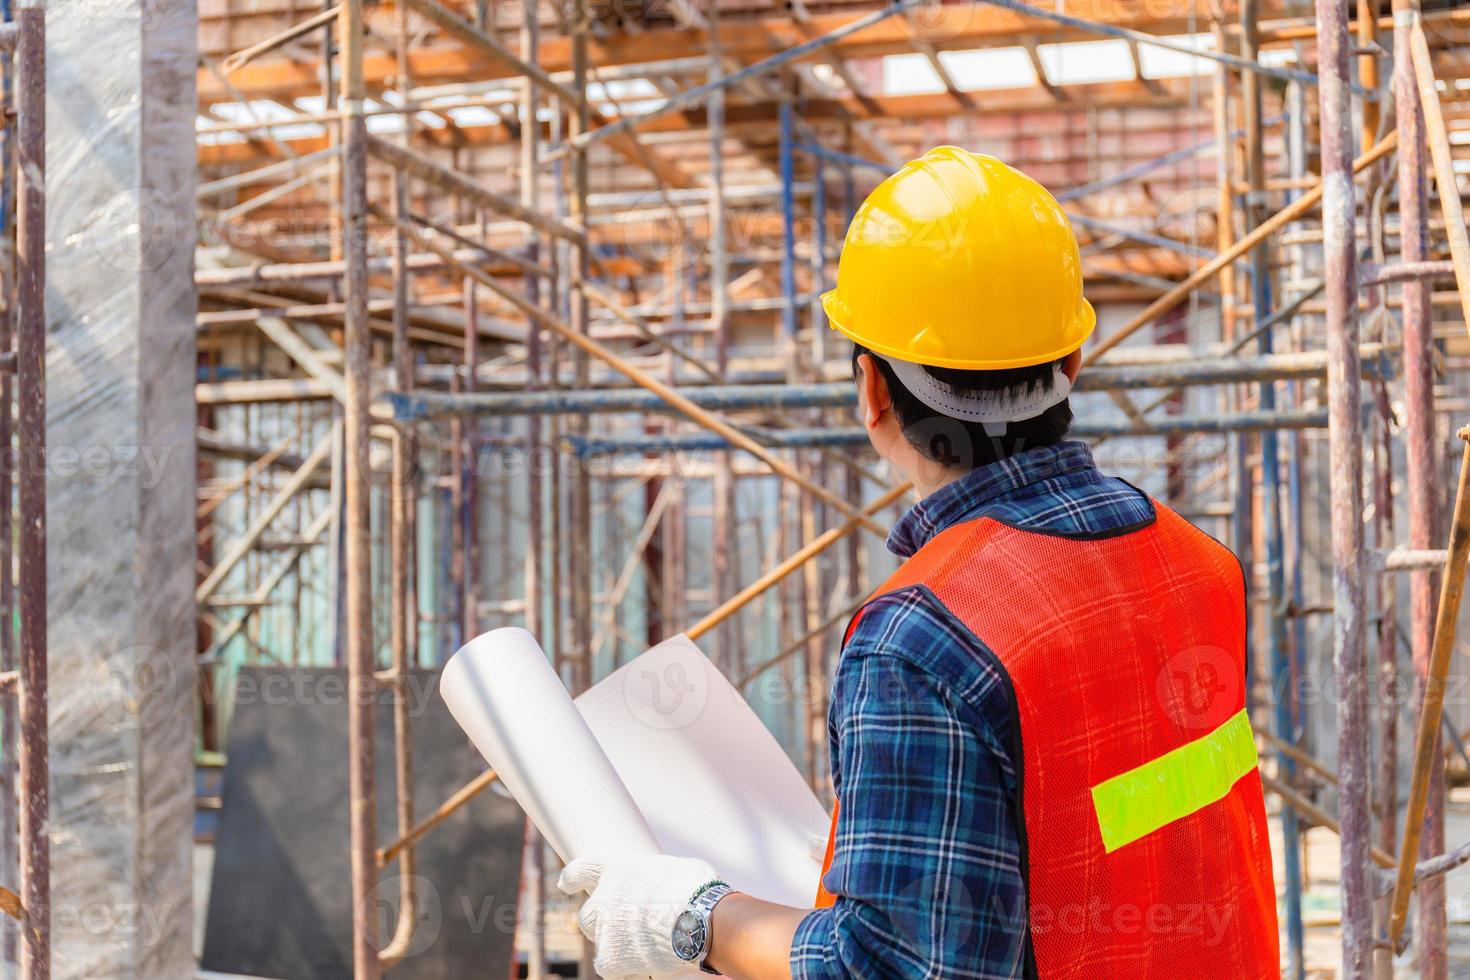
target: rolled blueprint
<point>511,704</point>
<point>707,775</point>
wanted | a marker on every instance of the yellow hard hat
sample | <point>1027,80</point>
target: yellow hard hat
<point>960,261</point>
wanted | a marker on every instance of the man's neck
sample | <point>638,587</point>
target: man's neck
<point>933,479</point>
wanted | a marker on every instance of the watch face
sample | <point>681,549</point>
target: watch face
<point>689,936</point>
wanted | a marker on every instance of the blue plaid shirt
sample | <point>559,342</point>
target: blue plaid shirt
<point>929,865</point>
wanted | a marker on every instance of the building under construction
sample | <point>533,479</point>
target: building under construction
<point>338,334</point>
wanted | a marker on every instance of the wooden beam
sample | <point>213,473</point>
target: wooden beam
<point>1041,77</point>
<point>490,46</point>
<point>931,55</point>
<point>1133,53</point>
<point>803,17</point>
<point>964,26</point>
<point>1172,93</point>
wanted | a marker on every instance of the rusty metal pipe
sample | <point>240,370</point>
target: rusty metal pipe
<point>1426,750</point>
<point>534,917</point>
<point>362,789</point>
<point>9,703</point>
<point>400,544</point>
<point>35,814</point>
<point>1423,454</point>
<point>1345,445</point>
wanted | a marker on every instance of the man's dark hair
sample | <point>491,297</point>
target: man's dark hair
<point>965,445</point>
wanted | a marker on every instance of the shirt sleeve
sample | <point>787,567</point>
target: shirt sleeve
<point>927,869</point>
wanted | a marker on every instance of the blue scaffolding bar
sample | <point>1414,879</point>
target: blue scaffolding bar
<point>788,225</point>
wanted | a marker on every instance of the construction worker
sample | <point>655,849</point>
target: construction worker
<point>1040,750</point>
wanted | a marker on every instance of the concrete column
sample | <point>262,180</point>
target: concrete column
<point>120,360</point>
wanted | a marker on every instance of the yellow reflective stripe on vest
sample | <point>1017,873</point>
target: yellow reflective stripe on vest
<point>1138,802</point>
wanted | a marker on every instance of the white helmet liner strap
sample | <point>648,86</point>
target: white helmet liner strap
<point>991,408</point>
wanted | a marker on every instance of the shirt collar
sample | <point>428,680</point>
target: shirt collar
<point>968,497</point>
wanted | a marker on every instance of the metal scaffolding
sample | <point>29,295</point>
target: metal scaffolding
<point>509,317</point>
<point>25,764</point>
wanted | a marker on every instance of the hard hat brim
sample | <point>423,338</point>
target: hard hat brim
<point>1082,326</point>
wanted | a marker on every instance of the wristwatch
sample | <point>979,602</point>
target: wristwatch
<point>692,927</point>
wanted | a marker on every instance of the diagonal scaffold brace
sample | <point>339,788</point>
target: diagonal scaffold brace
<point>1452,585</point>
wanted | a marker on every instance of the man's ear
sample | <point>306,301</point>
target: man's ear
<point>873,398</point>
<point>1072,364</point>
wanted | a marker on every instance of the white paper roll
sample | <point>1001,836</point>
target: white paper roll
<point>707,775</point>
<point>504,694</point>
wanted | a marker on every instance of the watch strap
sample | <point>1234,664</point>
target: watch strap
<point>714,884</point>
<point>704,902</point>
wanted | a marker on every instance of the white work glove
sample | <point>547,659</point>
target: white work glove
<point>630,910</point>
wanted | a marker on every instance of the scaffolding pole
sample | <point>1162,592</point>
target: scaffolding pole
<point>1345,448</point>
<point>30,294</point>
<point>358,645</point>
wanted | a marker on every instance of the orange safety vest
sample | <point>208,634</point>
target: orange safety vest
<point>1145,844</point>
